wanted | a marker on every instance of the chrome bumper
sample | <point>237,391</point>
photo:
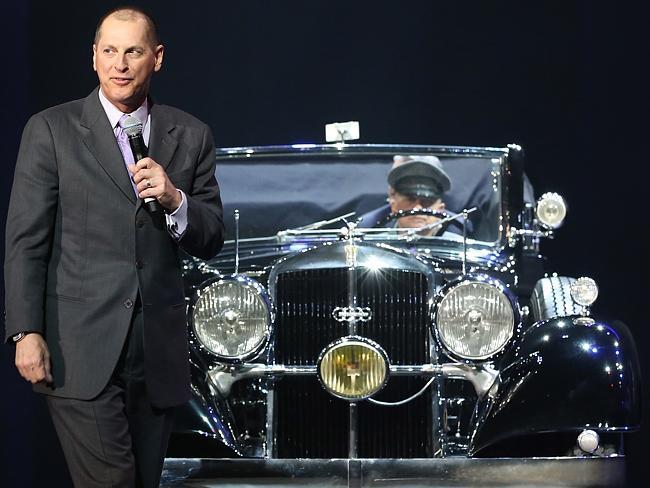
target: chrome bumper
<point>482,378</point>
<point>388,473</point>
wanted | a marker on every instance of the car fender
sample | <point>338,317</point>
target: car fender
<point>563,374</point>
<point>205,413</point>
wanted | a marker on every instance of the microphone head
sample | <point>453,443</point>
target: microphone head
<point>132,126</point>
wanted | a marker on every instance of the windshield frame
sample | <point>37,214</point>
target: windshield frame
<point>265,154</point>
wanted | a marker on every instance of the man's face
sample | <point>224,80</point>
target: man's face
<point>399,201</point>
<point>124,59</point>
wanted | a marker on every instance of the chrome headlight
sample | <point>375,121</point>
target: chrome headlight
<point>353,368</point>
<point>551,210</point>
<point>475,319</point>
<point>232,317</point>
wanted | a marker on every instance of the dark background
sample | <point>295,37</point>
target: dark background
<point>565,79</point>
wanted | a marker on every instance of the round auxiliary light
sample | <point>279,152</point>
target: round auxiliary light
<point>231,317</point>
<point>551,210</point>
<point>588,441</point>
<point>475,319</point>
<point>584,291</point>
<point>353,368</point>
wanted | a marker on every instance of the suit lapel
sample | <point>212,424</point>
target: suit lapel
<point>101,142</point>
<point>162,143</point>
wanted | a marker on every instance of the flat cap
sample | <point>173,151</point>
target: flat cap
<point>421,176</point>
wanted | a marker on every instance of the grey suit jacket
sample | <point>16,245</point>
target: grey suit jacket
<point>80,247</point>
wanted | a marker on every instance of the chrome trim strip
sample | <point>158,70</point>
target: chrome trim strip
<point>270,440</point>
<point>223,154</point>
<point>351,258</point>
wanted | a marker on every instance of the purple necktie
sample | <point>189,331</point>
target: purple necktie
<point>125,147</point>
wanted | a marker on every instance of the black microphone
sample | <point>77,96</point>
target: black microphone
<point>133,129</point>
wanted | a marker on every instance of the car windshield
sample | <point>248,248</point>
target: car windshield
<point>294,188</point>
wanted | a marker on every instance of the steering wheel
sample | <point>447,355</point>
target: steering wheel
<point>420,211</point>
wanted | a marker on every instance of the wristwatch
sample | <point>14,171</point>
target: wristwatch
<point>18,337</point>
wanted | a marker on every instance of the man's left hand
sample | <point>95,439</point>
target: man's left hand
<point>152,181</point>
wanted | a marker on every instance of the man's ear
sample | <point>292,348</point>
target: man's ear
<point>94,57</point>
<point>391,202</point>
<point>159,52</point>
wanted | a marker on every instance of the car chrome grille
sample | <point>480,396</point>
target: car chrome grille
<point>310,422</point>
<point>305,302</point>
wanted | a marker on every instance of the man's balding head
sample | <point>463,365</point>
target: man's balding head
<point>131,14</point>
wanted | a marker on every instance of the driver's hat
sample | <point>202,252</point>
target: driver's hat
<point>420,176</point>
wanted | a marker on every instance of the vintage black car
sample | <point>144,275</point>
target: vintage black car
<point>329,343</point>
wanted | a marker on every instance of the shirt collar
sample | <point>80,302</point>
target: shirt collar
<point>114,114</point>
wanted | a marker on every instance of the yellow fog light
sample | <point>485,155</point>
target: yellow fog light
<point>353,368</point>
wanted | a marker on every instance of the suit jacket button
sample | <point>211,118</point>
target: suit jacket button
<point>139,264</point>
<point>139,223</point>
<point>128,303</point>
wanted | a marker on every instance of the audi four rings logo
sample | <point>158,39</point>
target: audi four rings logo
<point>352,314</point>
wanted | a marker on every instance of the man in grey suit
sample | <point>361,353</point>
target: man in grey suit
<point>94,296</point>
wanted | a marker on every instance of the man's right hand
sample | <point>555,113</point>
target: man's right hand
<point>33,358</point>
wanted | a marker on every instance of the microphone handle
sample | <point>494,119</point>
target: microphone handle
<point>140,151</point>
<point>138,148</point>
